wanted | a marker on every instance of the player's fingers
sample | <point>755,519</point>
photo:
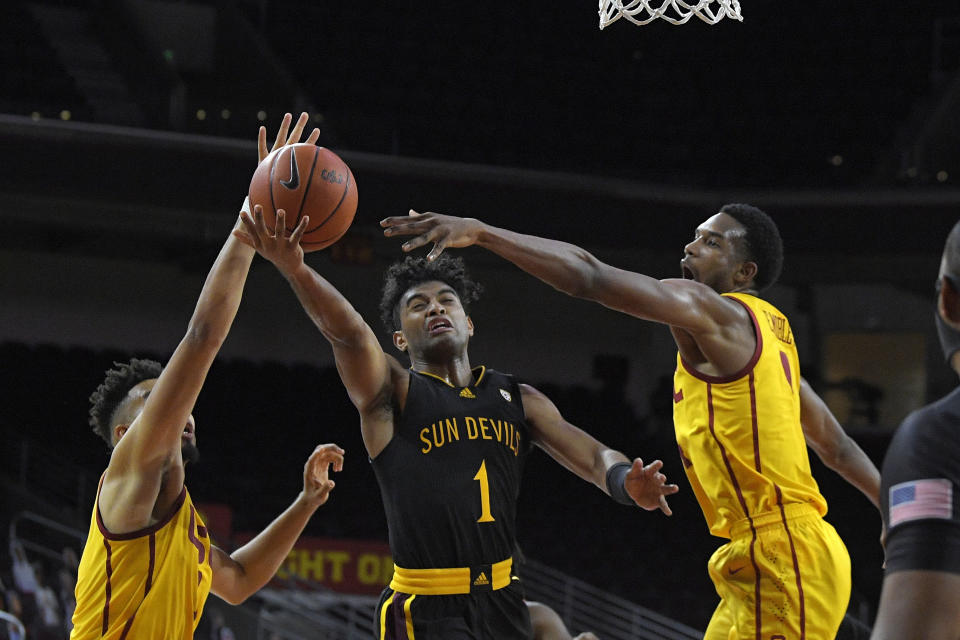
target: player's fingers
<point>259,224</point>
<point>669,489</point>
<point>332,458</point>
<point>654,466</point>
<point>435,252</point>
<point>404,227</point>
<point>262,143</point>
<point>297,234</point>
<point>250,228</point>
<point>665,507</point>
<point>280,227</point>
<point>298,128</point>
<point>314,136</point>
<point>282,132</point>
<point>244,237</point>
<point>416,213</point>
<point>329,446</point>
<point>404,223</point>
<point>417,242</point>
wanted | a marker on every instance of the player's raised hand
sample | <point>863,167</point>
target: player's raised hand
<point>442,230</point>
<point>283,137</point>
<point>648,487</point>
<point>317,484</point>
<point>283,251</point>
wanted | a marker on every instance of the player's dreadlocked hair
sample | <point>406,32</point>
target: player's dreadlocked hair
<point>412,271</point>
<point>114,388</point>
<point>762,242</point>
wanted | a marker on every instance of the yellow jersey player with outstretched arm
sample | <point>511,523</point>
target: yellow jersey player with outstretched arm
<point>148,564</point>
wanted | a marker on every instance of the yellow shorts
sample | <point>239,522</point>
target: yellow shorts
<point>783,576</point>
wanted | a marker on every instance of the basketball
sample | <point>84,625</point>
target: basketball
<point>306,180</point>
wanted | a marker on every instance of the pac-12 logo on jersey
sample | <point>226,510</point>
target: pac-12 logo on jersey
<point>506,395</point>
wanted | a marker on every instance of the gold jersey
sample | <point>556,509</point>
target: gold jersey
<point>740,437</point>
<point>149,584</point>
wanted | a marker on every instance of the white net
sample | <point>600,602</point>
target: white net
<point>673,11</point>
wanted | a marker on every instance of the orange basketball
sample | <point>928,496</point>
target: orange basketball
<point>306,180</point>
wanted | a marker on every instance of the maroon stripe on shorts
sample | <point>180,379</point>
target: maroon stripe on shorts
<point>399,617</point>
<point>743,505</point>
<point>796,566</point>
<point>106,602</point>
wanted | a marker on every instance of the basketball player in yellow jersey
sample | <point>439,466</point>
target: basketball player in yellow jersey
<point>742,413</point>
<point>148,564</point>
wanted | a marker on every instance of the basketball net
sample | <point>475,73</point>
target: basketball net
<point>673,11</point>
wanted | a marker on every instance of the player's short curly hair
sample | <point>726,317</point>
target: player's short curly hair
<point>762,242</point>
<point>411,271</point>
<point>105,401</point>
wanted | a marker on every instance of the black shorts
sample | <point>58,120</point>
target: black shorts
<point>493,615</point>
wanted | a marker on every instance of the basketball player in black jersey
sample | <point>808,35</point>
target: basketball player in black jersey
<point>447,442</point>
<point>920,496</point>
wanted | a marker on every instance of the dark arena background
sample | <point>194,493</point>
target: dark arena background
<point>128,130</point>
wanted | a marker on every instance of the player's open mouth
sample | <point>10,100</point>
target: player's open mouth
<point>439,325</point>
<point>687,272</point>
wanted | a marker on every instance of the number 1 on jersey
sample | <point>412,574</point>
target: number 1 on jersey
<point>485,515</point>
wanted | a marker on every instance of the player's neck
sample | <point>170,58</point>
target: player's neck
<point>751,291</point>
<point>455,371</point>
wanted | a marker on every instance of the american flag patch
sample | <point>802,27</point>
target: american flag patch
<point>921,499</point>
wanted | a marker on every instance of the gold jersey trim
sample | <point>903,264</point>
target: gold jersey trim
<point>477,377</point>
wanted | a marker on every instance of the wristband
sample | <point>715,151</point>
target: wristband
<point>616,483</point>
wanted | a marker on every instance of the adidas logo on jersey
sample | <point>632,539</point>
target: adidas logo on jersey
<point>481,580</point>
<point>466,393</point>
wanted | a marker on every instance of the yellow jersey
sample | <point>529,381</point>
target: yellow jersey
<point>149,584</point>
<point>740,437</point>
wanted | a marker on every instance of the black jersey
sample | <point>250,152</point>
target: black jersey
<point>920,490</point>
<point>450,477</point>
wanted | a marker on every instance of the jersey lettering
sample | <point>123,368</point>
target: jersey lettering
<point>447,431</point>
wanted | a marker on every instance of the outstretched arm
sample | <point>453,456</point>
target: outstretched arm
<point>573,270</point>
<point>242,573</point>
<point>593,461</point>
<point>835,448</point>
<point>366,371</point>
<point>361,361</point>
<point>133,478</point>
